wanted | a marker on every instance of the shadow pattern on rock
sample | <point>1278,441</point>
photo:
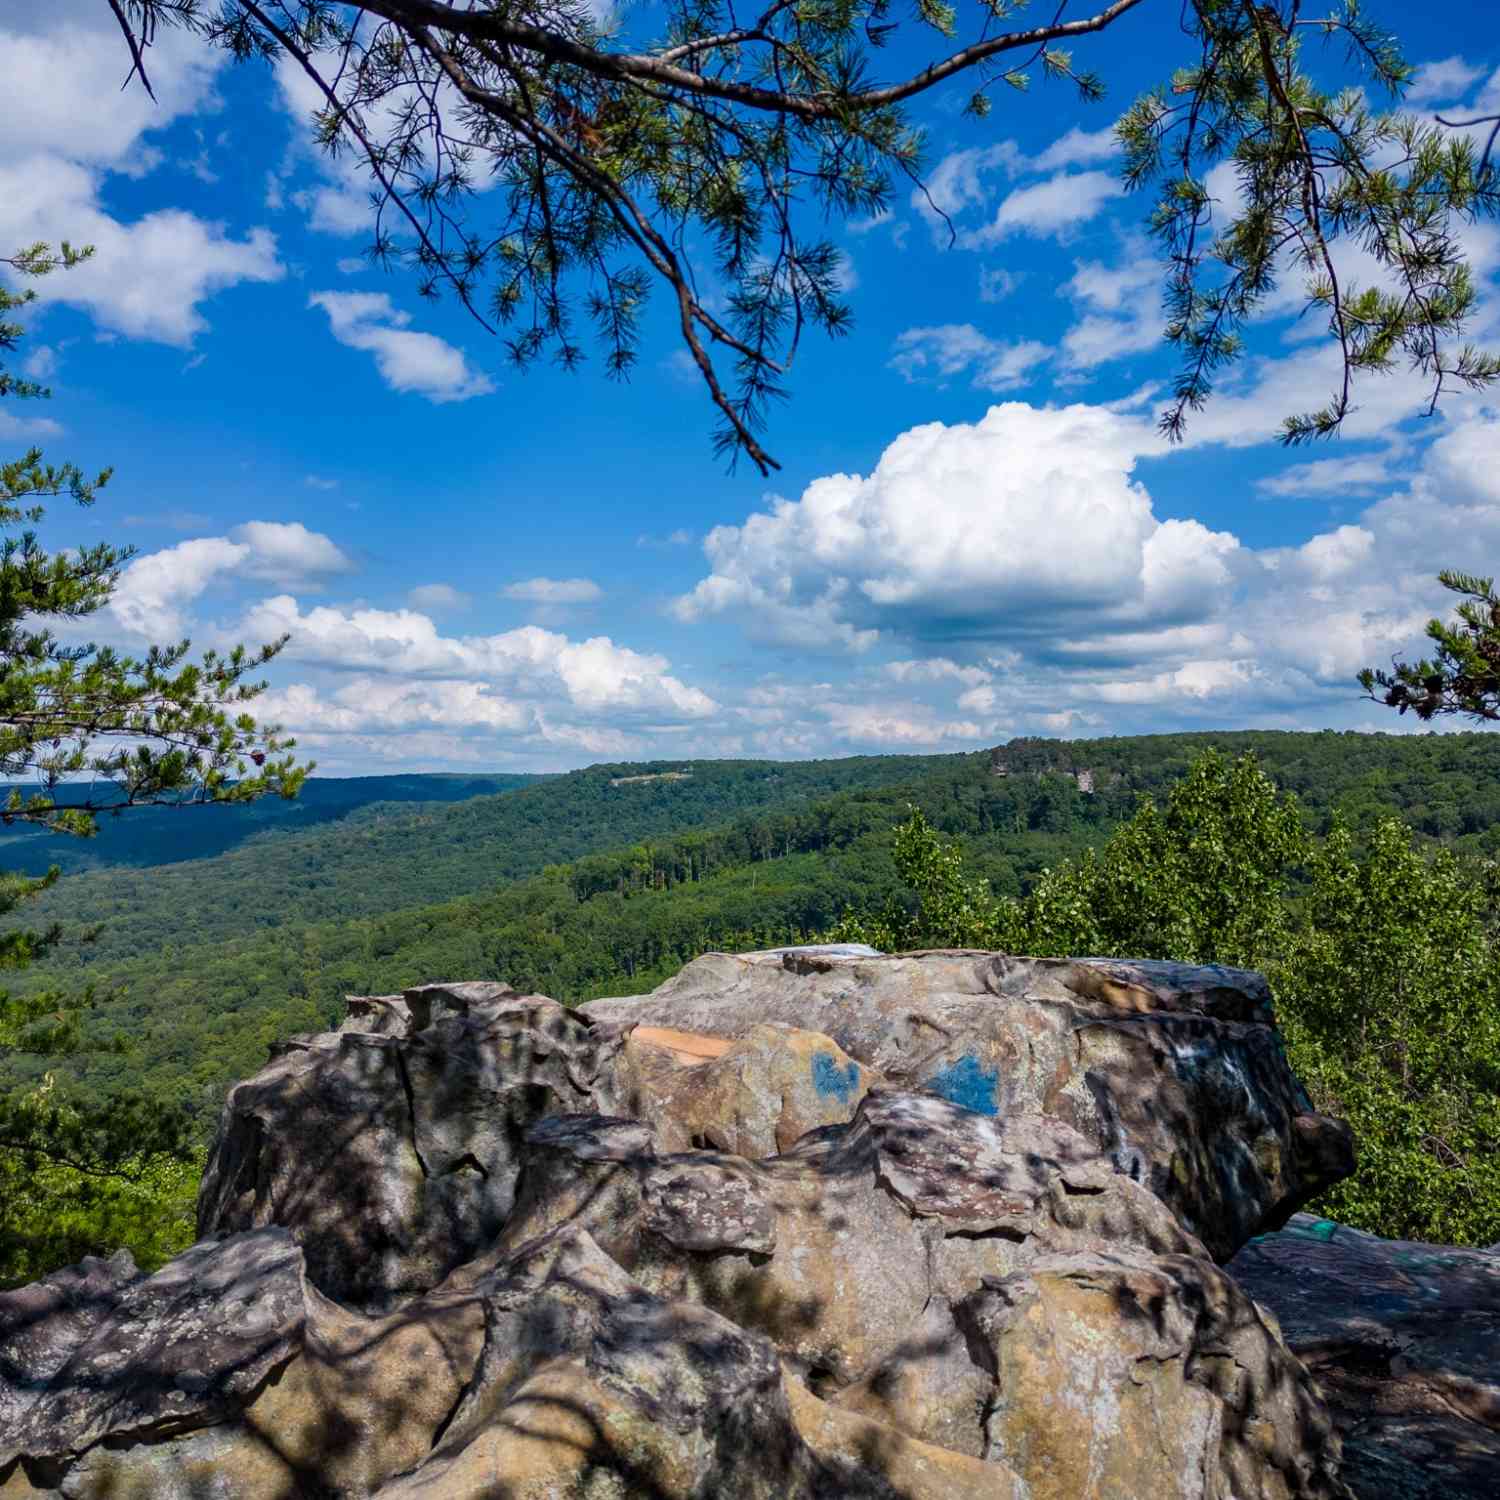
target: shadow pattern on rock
<point>392,1153</point>
<point>1175,1071</point>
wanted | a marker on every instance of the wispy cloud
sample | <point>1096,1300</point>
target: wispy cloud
<point>996,283</point>
<point>1443,82</point>
<point>1049,208</point>
<point>407,360</point>
<point>171,520</point>
<point>438,597</point>
<point>952,349</point>
<point>553,591</point>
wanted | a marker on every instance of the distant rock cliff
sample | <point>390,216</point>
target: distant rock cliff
<point>1042,758</point>
<point>810,1223</point>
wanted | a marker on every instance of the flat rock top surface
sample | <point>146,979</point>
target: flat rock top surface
<point>814,985</point>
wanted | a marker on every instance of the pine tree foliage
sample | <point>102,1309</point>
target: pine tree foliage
<point>157,729</point>
<point>1316,171</point>
<point>716,154</point>
<point>1463,674</point>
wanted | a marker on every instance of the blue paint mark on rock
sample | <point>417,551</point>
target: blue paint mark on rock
<point>832,1081</point>
<point>969,1084</point>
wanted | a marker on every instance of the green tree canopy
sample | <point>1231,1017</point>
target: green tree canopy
<point>1389,993</point>
<point>746,133</point>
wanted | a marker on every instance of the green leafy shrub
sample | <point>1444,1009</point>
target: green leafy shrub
<point>952,909</point>
<point>1389,993</point>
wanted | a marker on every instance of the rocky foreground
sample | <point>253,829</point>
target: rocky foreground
<point>813,1223</point>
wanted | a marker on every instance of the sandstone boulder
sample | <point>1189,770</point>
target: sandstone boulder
<point>1404,1340</point>
<point>224,1374</point>
<point>183,1347</point>
<point>916,1199</point>
<point>1176,1071</point>
<point>42,1326</point>
<point>940,1272</point>
<point>590,1385</point>
<point>1122,1374</point>
<point>945,1246</point>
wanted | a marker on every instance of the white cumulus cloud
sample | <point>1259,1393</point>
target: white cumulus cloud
<point>287,552</point>
<point>154,591</point>
<point>1026,548</point>
<point>594,674</point>
<point>57,147</point>
<point>1029,517</point>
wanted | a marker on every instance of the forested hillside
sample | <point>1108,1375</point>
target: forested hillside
<point>1446,786</point>
<point>596,882</point>
<point>380,857</point>
<point>386,857</point>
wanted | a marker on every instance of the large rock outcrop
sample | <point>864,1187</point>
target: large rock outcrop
<point>799,1225</point>
<point>126,1353</point>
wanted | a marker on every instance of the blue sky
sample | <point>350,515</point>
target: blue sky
<point>975,533</point>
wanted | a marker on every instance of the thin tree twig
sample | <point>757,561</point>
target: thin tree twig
<point>137,50</point>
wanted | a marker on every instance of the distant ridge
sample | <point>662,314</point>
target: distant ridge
<point>161,835</point>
